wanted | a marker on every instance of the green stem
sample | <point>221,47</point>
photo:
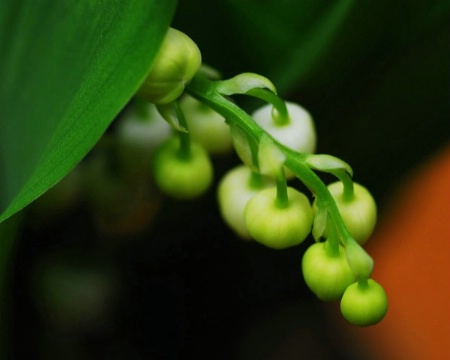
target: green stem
<point>363,283</point>
<point>256,180</point>
<point>332,247</point>
<point>347,184</point>
<point>332,242</point>
<point>282,200</point>
<point>204,90</point>
<point>320,191</point>
<point>280,114</point>
<point>184,152</point>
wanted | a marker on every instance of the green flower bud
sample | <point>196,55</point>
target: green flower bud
<point>359,212</point>
<point>278,227</point>
<point>359,261</point>
<point>241,143</point>
<point>299,133</point>
<point>138,135</point>
<point>176,63</point>
<point>179,176</point>
<point>207,127</point>
<point>327,274</point>
<point>145,130</point>
<point>235,189</point>
<point>364,303</point>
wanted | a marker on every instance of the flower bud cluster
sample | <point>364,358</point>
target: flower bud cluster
<point>262,215</point>
<point>254,199</point>
<point>182,167</point>
<point>332,269</point>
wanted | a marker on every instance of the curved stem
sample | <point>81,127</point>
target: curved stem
<point>331,247</point>
<point>282,200</point>
<point>255,180</point>
<point>332,241</point>
<point>184,152</point>
<point>280,114</point>
<point>204,90</point>
<point>363,283</point>
<point>347,184</point>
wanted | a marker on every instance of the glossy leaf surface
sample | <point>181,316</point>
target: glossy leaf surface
<point>66,68</point>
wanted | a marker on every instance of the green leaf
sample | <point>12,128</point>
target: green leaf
<point>66,68</point>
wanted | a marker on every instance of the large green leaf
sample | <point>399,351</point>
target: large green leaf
<point>67,67</point>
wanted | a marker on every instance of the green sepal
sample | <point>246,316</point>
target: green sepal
<point>169,113</point>
<point>270,157</point>
<point>246,147</point>
<point>243,83</point>
<point>360,262</point>
<point>320,223</point>
<point>328,163</point>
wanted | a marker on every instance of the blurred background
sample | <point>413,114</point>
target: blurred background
<point>109,268</point>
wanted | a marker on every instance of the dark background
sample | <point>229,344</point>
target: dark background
<point>376,77</point>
